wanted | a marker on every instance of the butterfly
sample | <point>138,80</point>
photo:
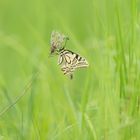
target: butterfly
<point>68,60</point>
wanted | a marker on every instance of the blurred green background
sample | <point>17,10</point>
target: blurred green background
<point>37,102</point>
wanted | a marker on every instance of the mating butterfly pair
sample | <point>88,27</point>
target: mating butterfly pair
<point>68,60</point>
